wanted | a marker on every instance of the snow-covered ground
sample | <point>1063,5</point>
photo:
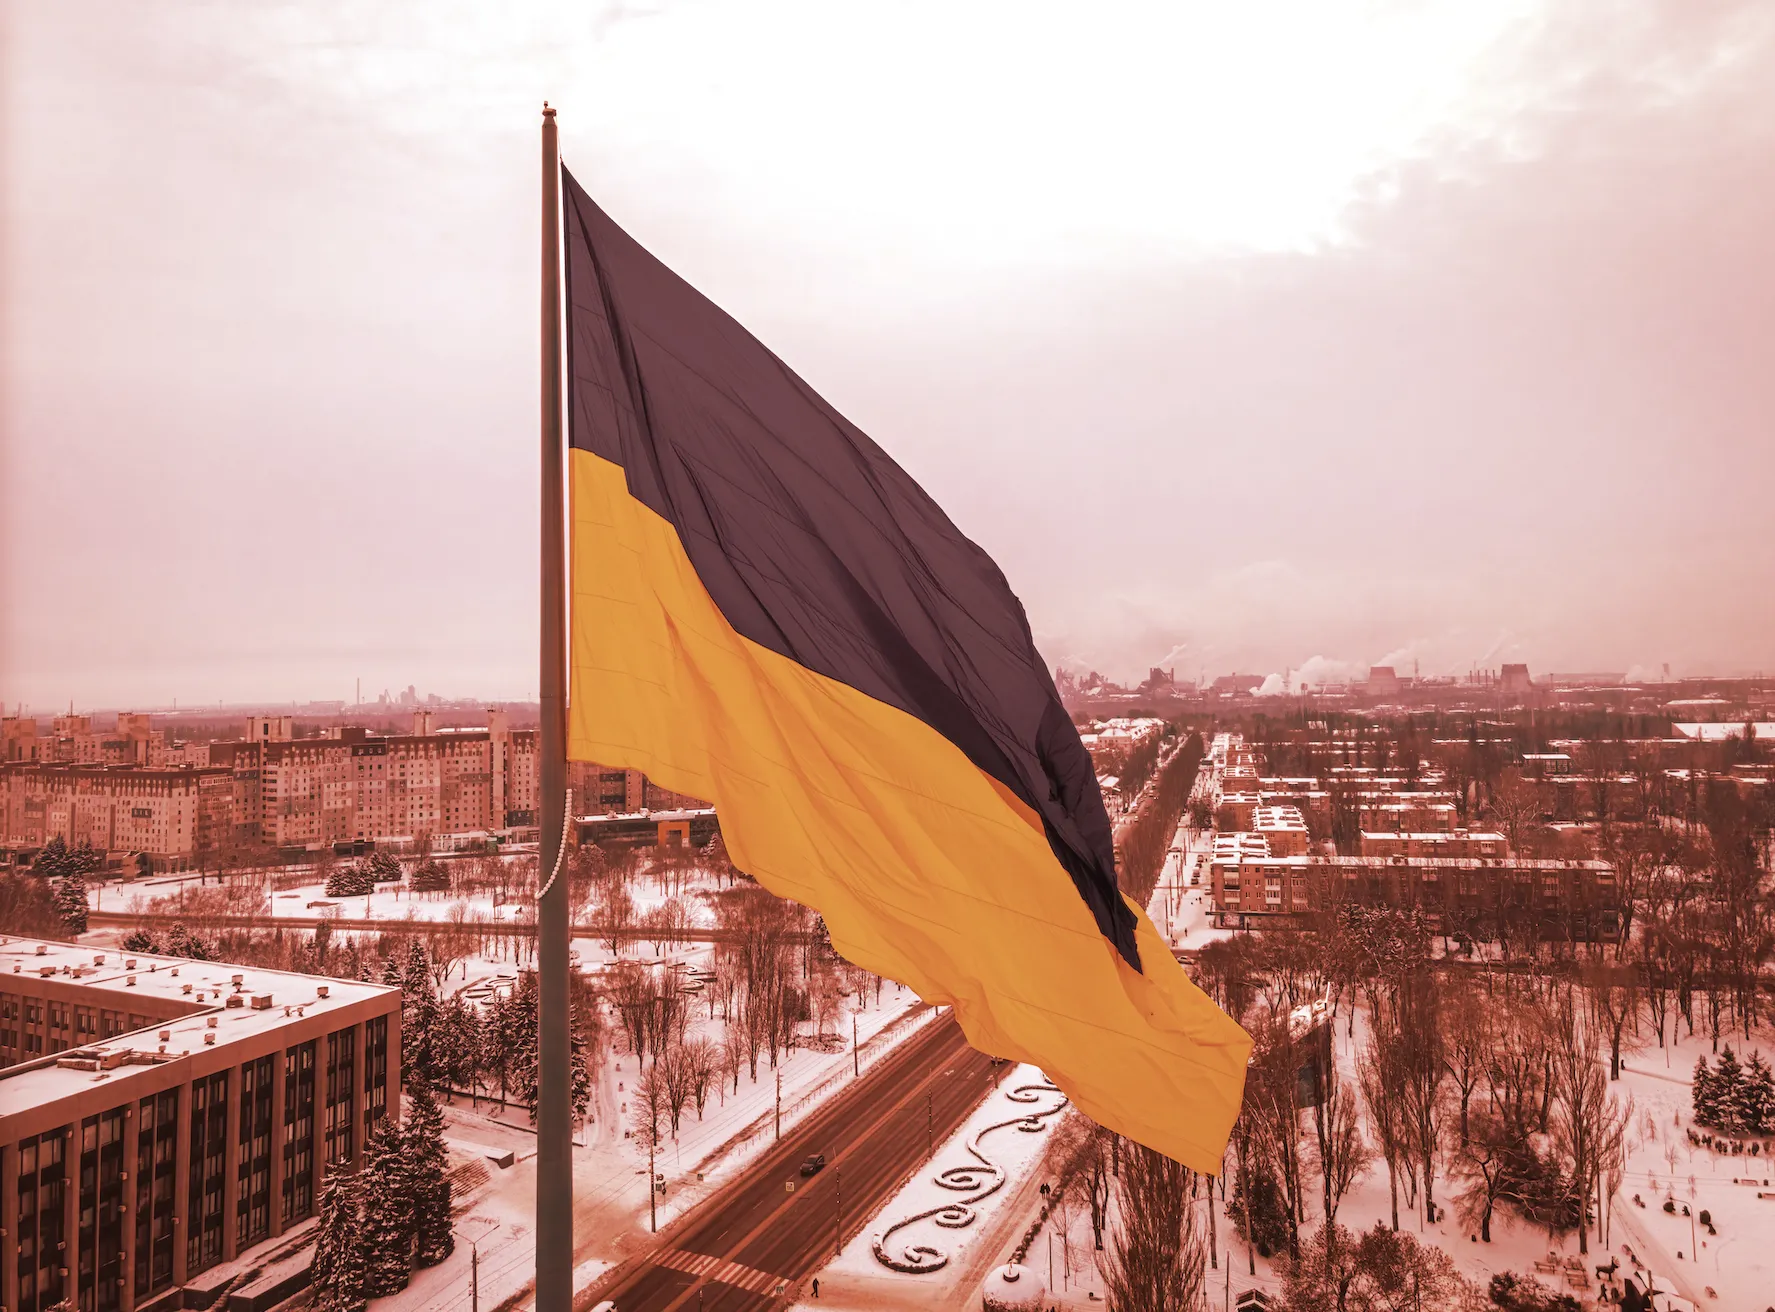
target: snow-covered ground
<point>998,1138</point>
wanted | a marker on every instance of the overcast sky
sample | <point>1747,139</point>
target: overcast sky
<point>1241,334</point>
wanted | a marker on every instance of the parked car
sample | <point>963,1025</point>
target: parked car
<point>813,1164</point>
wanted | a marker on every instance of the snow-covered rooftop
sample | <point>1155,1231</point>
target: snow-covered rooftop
<point>210,1005</point>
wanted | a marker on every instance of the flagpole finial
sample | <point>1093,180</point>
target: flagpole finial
<point>548,110</point>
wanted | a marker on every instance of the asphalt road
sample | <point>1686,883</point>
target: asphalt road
<point>752,1246</point>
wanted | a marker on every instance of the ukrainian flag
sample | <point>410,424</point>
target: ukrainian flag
<point>767,612</point>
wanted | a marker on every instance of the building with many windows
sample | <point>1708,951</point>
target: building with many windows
<point>160,1117</point>
<point>175,815</point>
<point>1249,891</point>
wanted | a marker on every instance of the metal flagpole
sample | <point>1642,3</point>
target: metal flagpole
<point>554,1125</point>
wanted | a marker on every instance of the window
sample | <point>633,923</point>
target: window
<point>155,1169</point>
<point>100,1286</point>
<point>375,1071</point>
<point>253,1210</point>
<point>341,1123</point>
<point>298,1133</point>
<point>209,1148</point>
<point>42,1231</point>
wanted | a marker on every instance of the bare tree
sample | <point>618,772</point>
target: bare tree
<point>1515,806</point>
<point>1157,1260</point>
<point>1483,1164</point>
<point>703,1062</point>
<point>1380,1078</point>
<point>1614,993</point>
<point>1469,1035</point>
<point>1344,1153</point>
<point>1581,1099</point>
<point>673,1066</point>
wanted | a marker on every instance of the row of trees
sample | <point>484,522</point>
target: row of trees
<point>1737,1098</point>
<point>1153,1223</point>
<point>359,878</point>
<point>1144,841</point>
<point>1498,1084</point>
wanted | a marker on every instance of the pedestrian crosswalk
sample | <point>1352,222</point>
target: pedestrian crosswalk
<point>748,1278</point>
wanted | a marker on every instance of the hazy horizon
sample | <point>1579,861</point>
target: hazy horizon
<point>1304,334</point>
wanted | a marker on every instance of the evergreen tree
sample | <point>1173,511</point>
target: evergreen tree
<point>384,868</point>
<point>581,1059</point>
<point>430,876</point>
<point>518,1035</point>
<point>52,862</point>
<point>1704,1094</point>
<point>1728,1089</point>
<point>349,881</point>
<point>391,973</point>
<point>495,1056</point>
<point>424,1146</point>
<point>416,971</point>
<point>1759,1096</point>
<point>387,1234</point>
<point>140,940</point>
<point>70,902</point>
<point>57,860</point>
<point>337,1274</point>
<point>181,942</point>
<point>424,1057</point>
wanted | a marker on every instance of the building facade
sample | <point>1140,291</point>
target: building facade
<point>354,785</point>
<point>161,1117</point>
<point>1250,891</point>
<point>176,815</point>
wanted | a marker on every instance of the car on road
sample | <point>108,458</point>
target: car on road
<point>813,1164</point>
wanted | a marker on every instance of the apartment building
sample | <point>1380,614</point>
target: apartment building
<point>354,785</point>
<point>160,1118</point>
<point>73,740</point>
<point>1453,843</point>
<point>1247,891</point>
<point>604,790</point>
<point>1283,827</point>
<point>269,789</point>
<point>175,815</point>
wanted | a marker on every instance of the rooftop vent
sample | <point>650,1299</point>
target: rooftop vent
<point>235,1000</point>
<point>129,981</point>
<point>321,991</point>
<point>261,1002</point>
<point>184,988</point>
<point>175,971</point>
<point>98,959</point>
<point>130,964</point>
<point>239,980</point>
<point>46,971</point>
<point>209,1036</point>
<point>210,1023</point>
<point>43,949</point>
<point>165,1035</point>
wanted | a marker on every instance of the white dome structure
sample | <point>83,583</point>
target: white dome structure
<point>1013,1288</point>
